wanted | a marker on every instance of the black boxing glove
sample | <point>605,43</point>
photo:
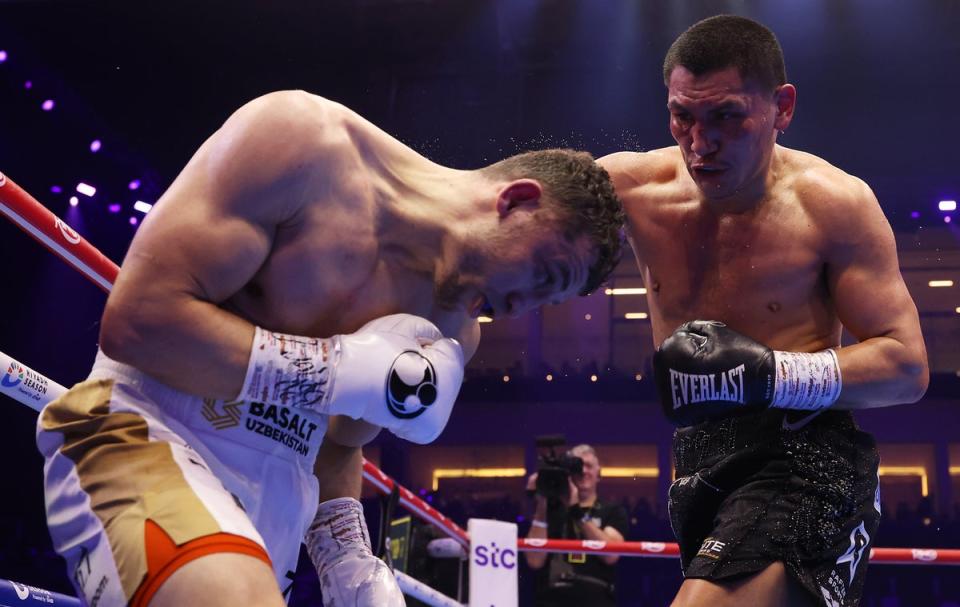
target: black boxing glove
<point>705,370</point>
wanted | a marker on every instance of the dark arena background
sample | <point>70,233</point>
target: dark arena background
<point>118,95</point>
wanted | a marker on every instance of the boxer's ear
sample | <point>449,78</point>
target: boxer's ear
<point>519,193</point>
<point>786,100</point>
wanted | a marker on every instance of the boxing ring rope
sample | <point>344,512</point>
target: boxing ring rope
<point>12,593</point>
<point>35,219</point>
<point>52,232</point>
<point>48,390</point>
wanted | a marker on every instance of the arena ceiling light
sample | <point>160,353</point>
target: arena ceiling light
<point>626,291</point>
<point>635,315</point>
<point>86,189</point>
<point>143,207</point>
<point>940,283</point>
<point>948,205</point>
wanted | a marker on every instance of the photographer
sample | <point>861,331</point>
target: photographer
<point>574,578</point>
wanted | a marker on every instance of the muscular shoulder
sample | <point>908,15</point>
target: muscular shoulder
<point>633,171</point>
<point>285,126</point>
<point>842,206</point>
<point>278,147</point>
<point>834,199</point>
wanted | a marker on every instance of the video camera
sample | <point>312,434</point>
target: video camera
<point>553,470</point>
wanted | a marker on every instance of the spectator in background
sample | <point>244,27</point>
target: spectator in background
<point>576,579</point>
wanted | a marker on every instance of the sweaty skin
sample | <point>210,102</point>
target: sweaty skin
<point>776,243</point>
<point>300,216</point>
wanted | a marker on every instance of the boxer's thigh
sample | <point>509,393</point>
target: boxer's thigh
<point>126,509</point>
<point>771,587</point>
<point>221,579</point>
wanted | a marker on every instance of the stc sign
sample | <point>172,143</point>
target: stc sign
<point>493,563</point>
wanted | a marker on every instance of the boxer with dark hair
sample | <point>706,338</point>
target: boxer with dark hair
<point>776,500</point>
<point>306,280</point>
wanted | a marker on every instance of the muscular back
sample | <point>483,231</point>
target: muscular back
<point>764,271</point>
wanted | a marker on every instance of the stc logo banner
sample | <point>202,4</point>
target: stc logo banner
<point>493,563</point>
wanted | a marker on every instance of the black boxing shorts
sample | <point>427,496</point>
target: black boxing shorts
<point>778,485</point>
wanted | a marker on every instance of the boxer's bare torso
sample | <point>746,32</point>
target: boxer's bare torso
<point>295,216</point>
<point>787,270</point>
<point>762,270</point>
<point>331,267</point>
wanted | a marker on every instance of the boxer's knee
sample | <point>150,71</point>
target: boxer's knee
<point>223,579</point>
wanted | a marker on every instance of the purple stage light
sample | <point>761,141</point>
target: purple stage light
<point>3,56</point>
<point>95,146</point>
<point>114,208</point>
<point>28,84</point>
<point>915,214</point>
<point>133,221</point>
<point>134,185</point>
<point>47,105</point>
<point>946,219</point>
<point>56,189</point>
<point>86,190</point>
<point>74,201</point>
<point>947,205</point>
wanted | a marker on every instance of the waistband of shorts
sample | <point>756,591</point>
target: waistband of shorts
<point>768,425</point>
<point>763,431</point>
<point>165,396</point>
<point>171,404</point>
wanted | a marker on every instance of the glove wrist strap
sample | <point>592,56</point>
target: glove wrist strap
<point>290,370</point>
<point>807,381</point>
<point>338,531</point>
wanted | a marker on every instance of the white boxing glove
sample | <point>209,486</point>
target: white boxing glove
<point>339,546</point>
<point>398,372</point>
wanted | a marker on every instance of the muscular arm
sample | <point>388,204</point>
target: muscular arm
<point>630,172</point>
<point>889,364</point>
<point>205,239</point>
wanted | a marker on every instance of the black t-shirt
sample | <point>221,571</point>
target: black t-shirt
<point>561,526</point>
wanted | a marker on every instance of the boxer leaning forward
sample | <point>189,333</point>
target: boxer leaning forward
<point>306,280</point>
<point>776,500</point>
